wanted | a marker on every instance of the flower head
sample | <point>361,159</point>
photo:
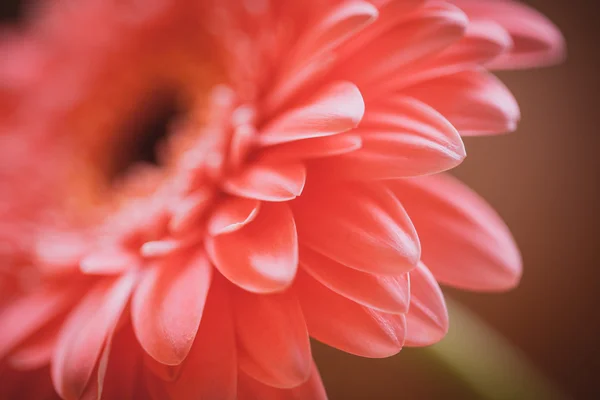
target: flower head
<point>297,193</point>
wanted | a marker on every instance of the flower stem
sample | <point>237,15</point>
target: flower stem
<point>487,363</point>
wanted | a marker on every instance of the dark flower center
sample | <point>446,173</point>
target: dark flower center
<point>12,11</point>
<point>143,135</point>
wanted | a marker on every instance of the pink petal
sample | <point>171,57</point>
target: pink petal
<point>232,214</point>
<point>210,370</point>
<point>427,318</point>
<point>37,351</point>
<point>413,38</point>
<point>313,148</point>
<point>483,41</point>
<point>537,41</point>
<point>268,181</point>
<point>346,325</point>
<point>167,306</point>
<point>465,243</point>
<point>272,337</point>
<point>358,225</point>
<point>261,257</point>
<point>309,58</point>
<point>85,333</point>
<point>336,109</point>
<point>475,102</point>
<point>385,293</point>
<point>312,389</point>
<point>124,367</point>
<point>187,212</point>
<point>27,314</point>
<point>109,260</point>
<point>402,137</point>
<point>167,373</point>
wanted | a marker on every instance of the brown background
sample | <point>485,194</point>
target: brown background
<point>543,180</point>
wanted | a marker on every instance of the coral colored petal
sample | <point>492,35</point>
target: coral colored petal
<point>261,257</point>
<point>337,108</point>
<point>475,102</point>
<point>465,243</point>
<point>313,148</point>
<point>402,137</point>
<point>124,367</point>
<point>483,41</point>
<point>358,225</point>
<point>109,260</point>
<point>210,370</point>
<point>313,389</point>
<point>385,293</point>
<point>23,317</point>
<point>232,214</point>
<point>187,212</point>
<point>85,334</point>
<point>167,306</point>
<point>346,325</point>
<point>421,34</point>
<point>272,337</point>
<point>37,351</point>
<point>309,58</point>
<point>268,181</point>
<point>167,373</point>
<point>427,319</point>
<point>537,41</point>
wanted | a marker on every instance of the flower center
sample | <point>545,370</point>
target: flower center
<point>143,136</point>
<point>11,11</point>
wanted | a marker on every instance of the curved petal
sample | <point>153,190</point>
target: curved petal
<point>167,306</point>
<point>537,41</point>
<point>402,138</point>
<point>27,314</point>
<point>346,325</point>
<point>415,37</point>
<point>390,294</point>
<point>427,318</point>
<point>36,352</point>
<point>232,214</point>
<point>124,367</point>
<point>210,370</point>
<point>465,243</point>
<point>261,257</point>
<point>268,181</point>
<point>336,109</point>
<point>273,339</point>
<point>250,389</point>
<point>309,58</point>
<point>85,334</point>
<point>474,101</point>
<point>358,225</point>
<point>109,260</point>
<point>313,148</point>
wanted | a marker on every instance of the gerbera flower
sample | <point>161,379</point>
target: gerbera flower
<point>297,194</point>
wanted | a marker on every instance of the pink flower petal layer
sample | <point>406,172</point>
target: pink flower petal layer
<point>358,225</point>
<point>346,325</point>
<point>249,389</point>
<point>167,306</point>
<point>272,338</point>
<point>380,292</point>
<point>427,318</point>
<point>465,243</point>
<point>261,257</point>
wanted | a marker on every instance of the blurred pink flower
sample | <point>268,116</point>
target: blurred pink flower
<point>286,200</point>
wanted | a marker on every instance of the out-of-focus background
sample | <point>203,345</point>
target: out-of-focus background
<point>544,180</point>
